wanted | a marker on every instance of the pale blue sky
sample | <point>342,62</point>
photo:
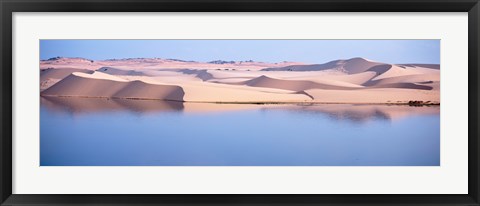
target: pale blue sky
<point>308,51</point>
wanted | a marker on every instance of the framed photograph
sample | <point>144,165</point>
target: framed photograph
<point>253,103</point>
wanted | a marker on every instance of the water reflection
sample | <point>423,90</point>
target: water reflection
<point>75,105</point>
<point>115,132</point>
<point>360,113</point>
<point>341,112</point>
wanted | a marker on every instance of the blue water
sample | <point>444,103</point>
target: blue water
<point>97,132</point>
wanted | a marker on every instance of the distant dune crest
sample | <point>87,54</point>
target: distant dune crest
<point>349,66</point>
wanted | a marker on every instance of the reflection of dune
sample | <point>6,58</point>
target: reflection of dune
<point>218,108</point>
<point>59,73</point>
<point>104,85</point>
<point>93,105</point>
<point>153,63</point>
<point>362,113</point>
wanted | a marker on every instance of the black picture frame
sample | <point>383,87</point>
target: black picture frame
<point>7,7</point>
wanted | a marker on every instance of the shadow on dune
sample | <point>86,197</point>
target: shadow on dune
<point>293,85</point>
<point>61,73</point>
<point>115,71</point>
<point>301,85</point>
<point>430,66</point>
<point>390,82</point>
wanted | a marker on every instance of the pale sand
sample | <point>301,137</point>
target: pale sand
<point>350,66</point>
<point>354,80</point>
<point>383,95</point>
<point>103,85</point>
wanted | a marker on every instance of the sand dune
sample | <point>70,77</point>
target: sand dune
<point>340,112</point>
<point>59,73</point>
<point>103,85</point>
<point>212,92</point>
<point>201,74</point>
<point>302,85</point>
<point>420,78</point>
<point>430,66</point>
<point>107,86</point>
<point>355,80</point>
<point>403,85</point>
<point>115,71</point>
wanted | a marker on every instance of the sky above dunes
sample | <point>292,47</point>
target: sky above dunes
<point>307,51</point>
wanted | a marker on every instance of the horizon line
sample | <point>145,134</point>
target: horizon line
<point>250,60</point>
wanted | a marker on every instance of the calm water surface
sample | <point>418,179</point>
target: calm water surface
<point>93,132</point>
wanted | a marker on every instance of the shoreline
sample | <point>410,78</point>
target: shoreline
<point>304,103</point>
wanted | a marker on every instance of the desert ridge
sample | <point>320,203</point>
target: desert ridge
<point>355,80</point>
<point>100,84</point>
